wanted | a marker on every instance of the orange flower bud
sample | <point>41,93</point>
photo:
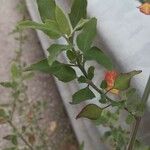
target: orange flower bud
<point>145,8</point>
<point>110,77</point>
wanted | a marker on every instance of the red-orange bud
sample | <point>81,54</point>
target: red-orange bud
<point>110,77</point>
<point>145,8</point>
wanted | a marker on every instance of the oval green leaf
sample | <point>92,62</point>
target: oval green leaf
<point>90,111</point>
<point>96,54</point>
<point>82,95</point>
<point>3,116</point>
<point>50,27</point>
<point>78,11</point>
<point>86,37</point>
<point>90,72</point>
<point>41,65</point>
<point>46,9</point>
<point>130,119</point>
<point>123,80</point>
<point>54,50</point>
<point>103,84</point>
<point>62,21</point>
<point>62,71</point>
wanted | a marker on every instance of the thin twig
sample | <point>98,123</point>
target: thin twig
<point>20,135</point>
<point>18,60</point>
<point>99,90</point>
<point>133,134</point>
<point>138,119</point>
<point>106,106</point>
<point>71,65</point>
<point>108,91</point>
<point>130,112</point>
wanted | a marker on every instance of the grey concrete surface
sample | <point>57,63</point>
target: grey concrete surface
<point>41,87</point>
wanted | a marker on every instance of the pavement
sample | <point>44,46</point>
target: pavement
<point>40,87</point>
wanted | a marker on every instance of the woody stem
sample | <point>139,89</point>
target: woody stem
<point>138,119</point>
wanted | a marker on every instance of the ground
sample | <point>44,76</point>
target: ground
<point>40,87</point>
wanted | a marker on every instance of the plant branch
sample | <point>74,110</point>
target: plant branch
<point>130,112</point>
<point>72,65</point>
<point>106,106</point>
<point>108,91</point>
<point>144,98</point>
<point>98,90</point>
<point>81,67</point>
<point>20,135</point>
<point>138,119</point>
<point>133,134</point>
<point>18,60</point>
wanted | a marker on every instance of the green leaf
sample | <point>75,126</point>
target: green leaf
<point>86,37</point>
<point>130,119</point>
<point>134,103</point>
<point>42,66</point>
<point>132,98</point>
<point>71,55</point>
<point>80,24</point>
<point>148,1</point>
<point>146,91</point>
<point>80,57</point>
<point>107,118</point>
<point>90,111</point>
<point>96,54</point>
<point>144,1</point>
<point>103,99</point>
<point>81,146</point>
<point>119,104</point>
<point>82,79</point>
<point>54,50</point>
<point>3,116</point>
<point>15,71</point>
<point>62,21</point>
<point>90,72</point>
<point>46,9</point>
<point>12,138</point>
<point>27,76</point>
<point>8,84</point>
<point>50,27</point>
<point>63,72</point>
<point>107,134</point>
<point>103,84</point>
<point>82,95</point>
<point>2,113</point>
<point>123,80</point>
<point>130,92</point>
<point>78,11</point>
<point>119,137</point>
<point>140,109</point>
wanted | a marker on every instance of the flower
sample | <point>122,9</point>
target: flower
<point>110,77</point>
<point>145,8</point>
